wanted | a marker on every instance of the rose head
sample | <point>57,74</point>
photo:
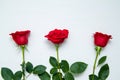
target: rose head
<point>57,36</point>
<point>21,37</point>
<point>101,39</point>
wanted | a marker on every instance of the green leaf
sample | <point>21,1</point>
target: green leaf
<point>53,62</point>
<point>39,69</point>
<point>104,72</point>
<point>68,76</point>
<point>57,76</point>
<point>44,76</point>
<point>64,66</point>
<point>6,74</point>
<point>78,67</point>
<point>29,67</point>
<point>53,71</point>
<point>93,77</point>
<point>102,60</point>
<point>18,75</point>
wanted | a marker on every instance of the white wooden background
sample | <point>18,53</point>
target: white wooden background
<point>81,17</point>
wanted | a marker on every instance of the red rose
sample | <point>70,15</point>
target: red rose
<point>101,39</point>
<point>57,36</point>
<point>21,37</point>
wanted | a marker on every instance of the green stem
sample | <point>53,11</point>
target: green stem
<point>58,60</point>
<point>23,61</point>
<point>98,49</point>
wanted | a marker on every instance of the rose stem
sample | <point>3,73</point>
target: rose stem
<point>98,49</point>
<point>23,61</point>
<point>58,60</point>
